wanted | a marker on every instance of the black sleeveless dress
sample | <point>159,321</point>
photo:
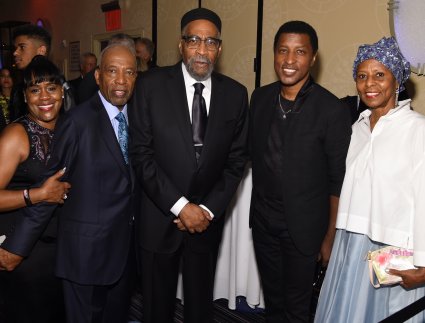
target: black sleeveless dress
<point>32,293</point>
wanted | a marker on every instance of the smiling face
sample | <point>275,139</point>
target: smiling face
<point>26,49</point>
<point>44,101</point>
<point>116,75</point>
<point>293,58</point>
<point>200,61</point>
<point>376,85</point>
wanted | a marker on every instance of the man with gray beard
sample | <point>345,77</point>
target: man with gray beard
<point>188,148</point>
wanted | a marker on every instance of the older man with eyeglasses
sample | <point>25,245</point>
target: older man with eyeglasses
<point>188,148</point>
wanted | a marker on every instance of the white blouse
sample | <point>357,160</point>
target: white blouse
<point>383,195</point>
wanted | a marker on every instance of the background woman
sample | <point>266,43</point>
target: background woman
<point>6,84</point>
<point>31,292</point>
<point>382,199</point>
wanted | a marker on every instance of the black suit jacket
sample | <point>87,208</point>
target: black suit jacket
<point>95,222</point>
<point>87,87</point>
<point>314,153</point>
<point>355,107</point>
<point>75,85</point>
<point>164,158</point>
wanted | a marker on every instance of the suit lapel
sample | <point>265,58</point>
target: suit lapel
<point>179,106</point>
<point>214,114</point>
<point>108,135</point>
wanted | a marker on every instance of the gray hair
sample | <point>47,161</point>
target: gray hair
<point>147,42</point>
<point>86,55</point>
<point>123,39</point>
<point>118,44</point>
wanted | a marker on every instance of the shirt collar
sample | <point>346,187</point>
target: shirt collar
<point>189,80</point>
<point>402,105</point>
<point>111,109</point>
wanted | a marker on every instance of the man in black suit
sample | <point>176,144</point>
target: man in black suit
<point>189,152</point>
<point>299,136</point>
<point>88,62</point>
<point>95,255</point>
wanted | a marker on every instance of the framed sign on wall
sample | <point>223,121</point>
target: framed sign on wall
<point>74,56</point>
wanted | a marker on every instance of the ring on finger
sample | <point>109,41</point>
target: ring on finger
<point>65,196</point>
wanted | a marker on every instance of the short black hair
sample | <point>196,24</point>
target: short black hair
<point>41,70</point>
<point>34,32</point>
<point>298,27</point>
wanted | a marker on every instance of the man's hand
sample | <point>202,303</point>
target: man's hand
<point>193,218</point>
<point>328,241</point>
<point>179,224</point>
<point>8,260</point>
<point>326,248</point>
<point>411,278</point>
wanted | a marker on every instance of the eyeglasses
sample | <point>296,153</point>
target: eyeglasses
<point>194,42</point>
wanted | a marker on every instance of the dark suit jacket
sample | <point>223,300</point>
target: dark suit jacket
<point>314,153</point>
<point>17,104</point>
<point>87,87</point>
<point>75,85</point>
<point>95,222</point>
<point>164,158</point>
<point>354,106</point>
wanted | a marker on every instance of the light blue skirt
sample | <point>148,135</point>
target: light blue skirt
<point>347,294</point>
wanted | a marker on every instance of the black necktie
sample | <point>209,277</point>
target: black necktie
<point>199,119</point>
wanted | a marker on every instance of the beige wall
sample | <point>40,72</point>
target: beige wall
<point>341,25</point>
<point>169,14</point>
<point>238,33</point>
<point>75,20</point>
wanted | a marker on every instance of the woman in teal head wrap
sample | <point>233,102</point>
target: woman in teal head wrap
<point>382,199</point>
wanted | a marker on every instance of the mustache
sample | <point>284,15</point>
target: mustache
<point>199,58</point>
<point>288,66</point>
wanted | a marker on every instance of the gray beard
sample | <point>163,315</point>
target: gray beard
<point>196,76</point>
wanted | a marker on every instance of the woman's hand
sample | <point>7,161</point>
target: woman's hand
<point>411,278</point>
<point>53,190</point>
<point>9,261</point>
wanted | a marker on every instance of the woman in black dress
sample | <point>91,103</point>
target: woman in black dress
<point>31,293</point>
